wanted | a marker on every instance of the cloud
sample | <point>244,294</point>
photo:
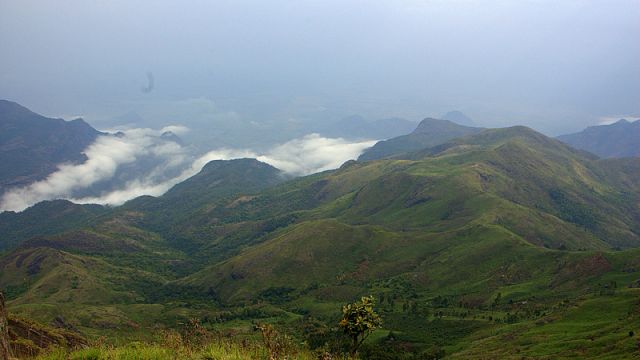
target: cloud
<point>140,161</point>
<point>106,159</point>
<point>148,186</point>
<point>313,153</point>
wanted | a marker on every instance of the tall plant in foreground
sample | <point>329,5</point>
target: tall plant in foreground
<point>359,319</point>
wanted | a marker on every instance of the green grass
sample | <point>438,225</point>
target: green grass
<point>174,348</point>
<point>500,244</point>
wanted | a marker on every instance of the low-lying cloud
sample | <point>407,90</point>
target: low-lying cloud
<point>312,154</point>
<point>137,162</point>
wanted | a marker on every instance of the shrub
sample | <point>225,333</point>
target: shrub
<point>359,320</point>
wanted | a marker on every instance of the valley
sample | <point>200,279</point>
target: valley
<point>499,244</point>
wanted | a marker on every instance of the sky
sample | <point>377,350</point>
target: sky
<point>557,66</point>
<point>243,78</point>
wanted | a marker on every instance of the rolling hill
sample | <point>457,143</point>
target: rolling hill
<point>480,246</point>
<point>617,140</point>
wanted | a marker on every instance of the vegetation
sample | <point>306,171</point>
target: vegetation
<point>359,320</point>
<point>496,245</point>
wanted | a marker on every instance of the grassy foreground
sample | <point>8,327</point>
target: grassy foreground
<point>195,343</point>
<point>140,351</point>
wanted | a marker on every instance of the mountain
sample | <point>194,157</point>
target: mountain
<point>617,140</point>
<point>430,132</point>
<point>189,204</point>
<point>477,247</point>
<point>356,127</point>
<point>458,118</point>
<point>44,218</point>
<point>31,145</point>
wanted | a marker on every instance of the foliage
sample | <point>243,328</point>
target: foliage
<point>461,243</point>
<point>359,319</point>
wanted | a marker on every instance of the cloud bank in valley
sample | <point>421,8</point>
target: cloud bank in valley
<point>136,162</point>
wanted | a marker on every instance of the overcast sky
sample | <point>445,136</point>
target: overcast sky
<point>556,65</point>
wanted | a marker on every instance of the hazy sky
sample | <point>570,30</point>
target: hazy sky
<point>556,65</point>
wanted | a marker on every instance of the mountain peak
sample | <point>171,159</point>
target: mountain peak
<point>219,177</point>
<point>430,132</point>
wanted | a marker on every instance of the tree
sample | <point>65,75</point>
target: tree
<point>359,320</point>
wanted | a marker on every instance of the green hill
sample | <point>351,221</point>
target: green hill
<point>500,243</point>
<point>45,218</point>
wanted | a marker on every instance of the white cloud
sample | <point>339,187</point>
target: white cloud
<point>109,154</point>
<point>312,154</point>
<point>105,157</point>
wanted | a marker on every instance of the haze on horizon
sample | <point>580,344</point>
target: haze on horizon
<point>557,66</point>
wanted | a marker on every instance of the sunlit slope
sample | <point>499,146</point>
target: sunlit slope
<point>516,191</point>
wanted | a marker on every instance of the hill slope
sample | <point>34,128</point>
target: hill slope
<point>621,139</point>
<point>31,145</point>
<point>478,246</point>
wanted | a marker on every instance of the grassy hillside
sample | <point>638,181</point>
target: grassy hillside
<point>499,244</point>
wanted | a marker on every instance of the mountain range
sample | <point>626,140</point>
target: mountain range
<point>617,140</point>
<point>490,243</point>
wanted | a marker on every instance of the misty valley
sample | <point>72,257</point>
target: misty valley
<point>472,243</point>
<point>278,180</point>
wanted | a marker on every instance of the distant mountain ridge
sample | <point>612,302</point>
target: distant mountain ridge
<point>430,132</point>
<point>31,145</point>
<point>459,118</point>
<point>620,139</point>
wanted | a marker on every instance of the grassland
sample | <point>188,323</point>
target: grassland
<point>505,244</point>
